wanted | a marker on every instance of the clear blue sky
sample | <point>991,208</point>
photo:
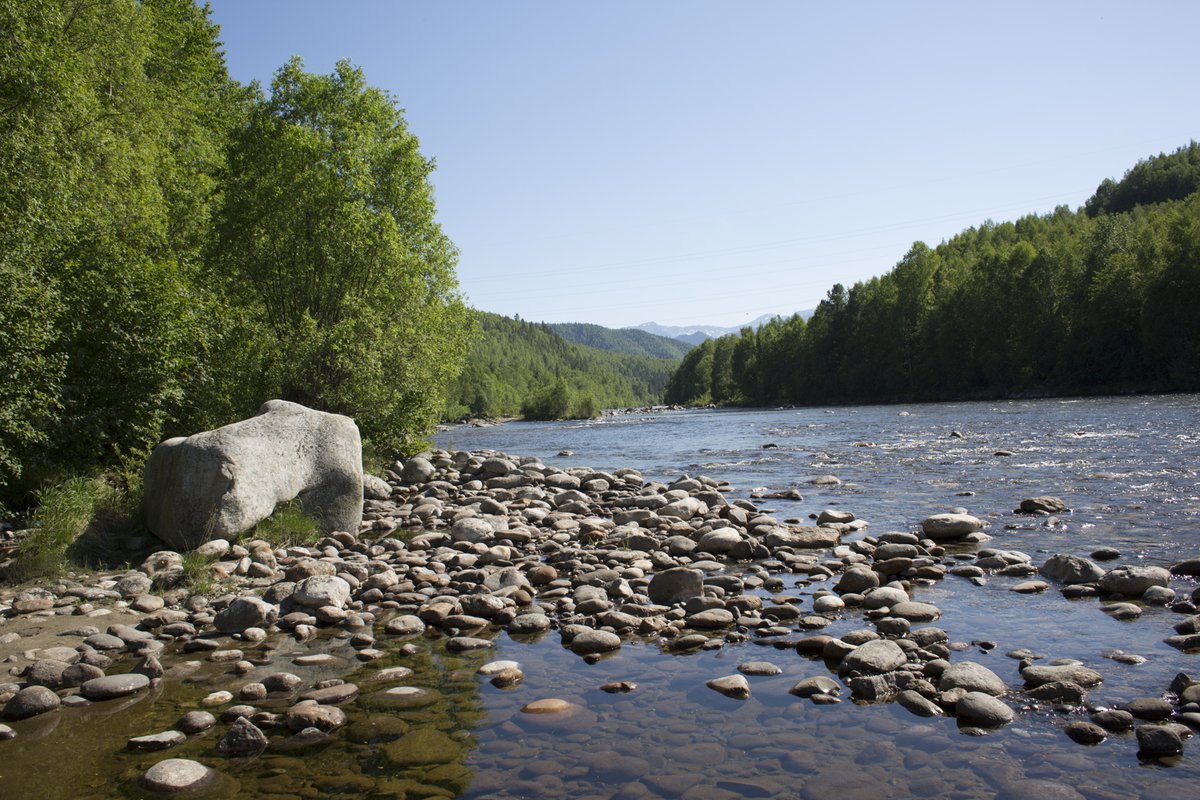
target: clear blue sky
<point>707,162</point>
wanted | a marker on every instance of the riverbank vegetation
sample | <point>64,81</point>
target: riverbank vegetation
<point>175,247</point>
<point>1102,299</point>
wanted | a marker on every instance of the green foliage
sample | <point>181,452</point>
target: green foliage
<point>512,365</point>
<point>629,341</point>
<point>288,525</point>
<point>64,513</point>
<point>175,248</point>
<point>112,118</point>
<point>1157,179</point>
<point>327,234</point>
<point>1101,299</point>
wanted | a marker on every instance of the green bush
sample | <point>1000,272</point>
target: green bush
<point>64,513</point>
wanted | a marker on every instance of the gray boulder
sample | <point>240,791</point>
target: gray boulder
<point>675,586</point>
<point>245,612</point>
<point>1133,581</point>
<point>972,677</point>
<point>948,527</point>
<point>874,658</point>
<point>1071,570</point>
<point>982,709</point>
<point>1045,504</point>
<point>219,483</point>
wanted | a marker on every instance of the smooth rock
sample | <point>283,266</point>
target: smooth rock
<point>30,702</point>
<point>874,657</point>
<point>1133,581</point>
<point>973,678</point>
<point>176,775</point>
<point>983,709</point>
<point>113,686</point>
<point>734,686</point>
<point>219,483</point>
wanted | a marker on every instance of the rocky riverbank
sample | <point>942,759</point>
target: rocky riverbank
<point>458,547</point>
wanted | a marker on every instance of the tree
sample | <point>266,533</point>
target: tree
<point>328,233</point>
<point>111,129</point>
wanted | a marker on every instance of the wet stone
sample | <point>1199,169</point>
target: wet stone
<point>242,739</point>
<point>30,702</point>
<point>332,695</point>
<point>759,668</point>
<point>1086,732</point>
<point>312,715</point>
<point>1113,720</point>
<point>1149,708</point>
<point>156,741</point>
<point>594,641</point>
<point>734,686</point>
<point>195,722</point>
<point>178,775</point>
<point>1158,741</point>
<point>113,686</point>
<point>983,709</point>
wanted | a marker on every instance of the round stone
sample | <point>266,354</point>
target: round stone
<point>196,722</point>
<point>178,775</point>
<point>113,686</point>
<point>30,702</point>
<point>592,641</point>
<point>549,705</point>
<point>982,709</point>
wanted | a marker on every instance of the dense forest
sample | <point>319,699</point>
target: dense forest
<point>1103,299</point>
<point>515,367</point>
<point>630,341</point>
<point>176,248</point>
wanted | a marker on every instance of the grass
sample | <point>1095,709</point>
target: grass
<point>197,573</point>
<point>64,514</point>
<point>288,525</point>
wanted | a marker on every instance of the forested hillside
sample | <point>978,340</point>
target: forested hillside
<point>176,248</point>
<point>629,341</point>
<point>1096,300</point>
<point>526,368</point>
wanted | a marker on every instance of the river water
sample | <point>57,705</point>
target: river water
<point>1127,467</point>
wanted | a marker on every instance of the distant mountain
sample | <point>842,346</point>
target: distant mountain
<point>695,334</point>
<point>629,341</point>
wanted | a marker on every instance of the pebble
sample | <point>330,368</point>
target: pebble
<point>30,702</point>
<point>242,739</point>
<point>156,741</point>
<point>1086,732</point>
<point>734,686</point>
<point>195,722</point>
<point>983,709</point>
<point>178,775</point>
<point>594,641</point>
<point>1158,741</point>
<point>113,686</point>
<point>759,668</point>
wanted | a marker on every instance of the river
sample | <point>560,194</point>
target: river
<point>1128,468</point>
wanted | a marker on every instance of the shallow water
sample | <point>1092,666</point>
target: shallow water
<point>1128,467</point>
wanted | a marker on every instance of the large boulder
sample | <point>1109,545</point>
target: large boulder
<point>1133,581</point>
<point>217,484</point>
